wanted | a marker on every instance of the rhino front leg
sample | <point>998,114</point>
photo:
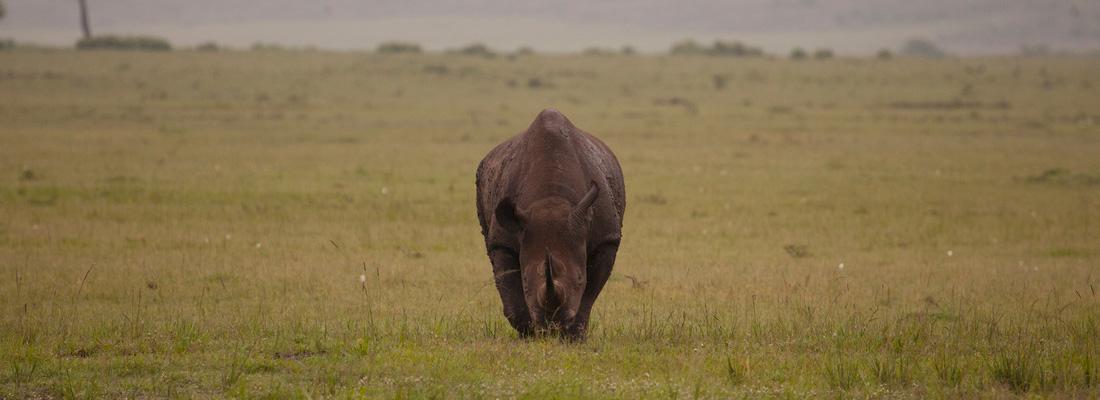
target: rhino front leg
<point>510,286</point>
<point>600,263</point>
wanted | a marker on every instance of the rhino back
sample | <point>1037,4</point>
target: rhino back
<point>552,157</point>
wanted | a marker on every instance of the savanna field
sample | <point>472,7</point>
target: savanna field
<point>302,224</point>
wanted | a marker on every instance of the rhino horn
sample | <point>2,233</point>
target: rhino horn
<point>552,299</point>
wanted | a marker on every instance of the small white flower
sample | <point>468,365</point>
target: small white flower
<point>362,278</point>
<point>950,253</point>
<point>228,236</point>
<point>258,245</point>
<point>840,267</point>
<point>385,190</point>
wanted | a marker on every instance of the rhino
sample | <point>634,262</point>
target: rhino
<point>550,201</point>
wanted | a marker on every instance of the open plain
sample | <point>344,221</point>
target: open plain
<point>301,224</point>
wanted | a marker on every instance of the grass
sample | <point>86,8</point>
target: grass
<point>197,224</point>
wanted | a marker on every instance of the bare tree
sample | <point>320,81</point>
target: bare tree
<point>2,10</point>
<point>84,25</point>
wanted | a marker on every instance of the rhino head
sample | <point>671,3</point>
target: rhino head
<point>552,235</point>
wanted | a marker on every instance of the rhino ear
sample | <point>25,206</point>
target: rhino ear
<point>508,217</point>
<point>580,212</point>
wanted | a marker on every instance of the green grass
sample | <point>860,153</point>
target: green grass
<point>195,224</point>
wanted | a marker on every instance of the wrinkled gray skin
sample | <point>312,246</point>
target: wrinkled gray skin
<point>550,202</point>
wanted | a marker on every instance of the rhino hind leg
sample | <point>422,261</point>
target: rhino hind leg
<point>599,269</point>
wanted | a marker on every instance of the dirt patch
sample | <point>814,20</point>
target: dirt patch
<point>297,355</point>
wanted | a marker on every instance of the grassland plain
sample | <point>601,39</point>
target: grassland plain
<point>301,224</point>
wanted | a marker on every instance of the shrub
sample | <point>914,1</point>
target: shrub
<point>597,51</point>
<point>525,51</point>
<point>921,48</point>
<point>477,49</point>
<point>261,46</point>
<point>208,46</point>
<point>111,42</point>
<point>399,47</point>
<point>734,49</point>
<point>823,54</point>
<point>7,44</point>
<point>798,54</point>
<point>628,50</point>
<point>686,47</point>
<point>884,54</point>
<point>719,81</point>
<point>719,48</point>
<point>536,83</point>
<point>438,69</point>
<point>1039,50</point>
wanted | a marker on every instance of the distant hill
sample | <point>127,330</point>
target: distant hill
<point>850,26</point>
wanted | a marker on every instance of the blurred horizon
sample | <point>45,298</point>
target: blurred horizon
<point>979,27</point>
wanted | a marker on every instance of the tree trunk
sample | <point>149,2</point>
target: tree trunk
<point>84,25</point>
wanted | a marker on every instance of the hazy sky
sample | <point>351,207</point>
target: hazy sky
<point>849,26</point>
